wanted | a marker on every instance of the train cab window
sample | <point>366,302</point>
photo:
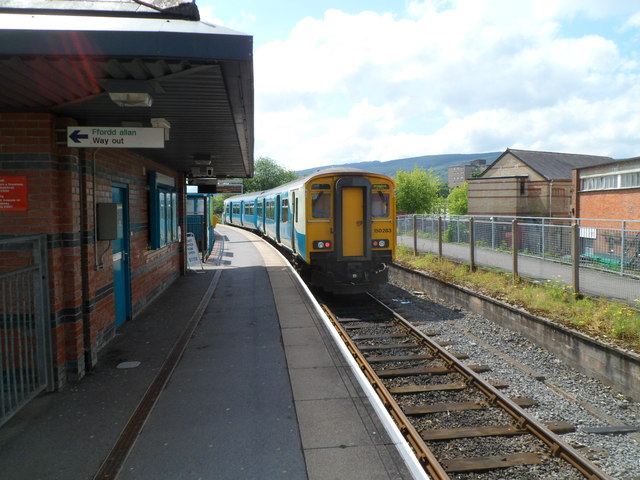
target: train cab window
<point>285,210</point>
<point>320,204</point>
<point>379,204</point>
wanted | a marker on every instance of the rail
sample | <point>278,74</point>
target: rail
<point>513,407</point>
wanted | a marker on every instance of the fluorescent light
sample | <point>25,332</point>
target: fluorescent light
<point>131,99</point>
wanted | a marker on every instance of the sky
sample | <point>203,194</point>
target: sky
<point>355,80</point>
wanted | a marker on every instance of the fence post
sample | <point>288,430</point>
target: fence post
<point>575,260</point>
<point>472,247</point>
<point>514,250</point>
<point>542,240</point>
<point>440,237</point>
<point>493,234</point>
<point>622,245</point>
<point>415,234</point>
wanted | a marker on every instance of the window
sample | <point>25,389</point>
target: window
<point>630,180</point>
<point>249,209</point>
<point>271,210</point>
<point>611,182</point>
<point>320,204</point>
<point>523,190</point>
<point>236,209</point>
<point>163,210</point>
<point>379,204</point>
<point>285,210</point>
<point>195,206</point>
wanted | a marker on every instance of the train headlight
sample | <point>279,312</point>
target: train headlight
<point>322,244</point>
<point>380,243</point>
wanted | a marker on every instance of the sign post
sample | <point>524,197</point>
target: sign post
<point>115,137</point>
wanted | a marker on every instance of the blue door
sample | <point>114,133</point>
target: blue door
<point>121,286</point>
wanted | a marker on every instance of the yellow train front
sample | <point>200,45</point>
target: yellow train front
<point>337,225</point>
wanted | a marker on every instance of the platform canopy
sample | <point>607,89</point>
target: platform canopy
<point>75,58</point>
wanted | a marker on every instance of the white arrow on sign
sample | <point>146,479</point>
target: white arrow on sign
<point>115,137</point>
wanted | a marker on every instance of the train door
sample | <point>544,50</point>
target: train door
<point>294,218</point>
<point>353,222</point>
<point>352,225</point>
<point>277,212</point>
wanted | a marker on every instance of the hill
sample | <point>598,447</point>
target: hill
<point>439,163</point>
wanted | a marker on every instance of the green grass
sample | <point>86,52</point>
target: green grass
<point>606,319</point>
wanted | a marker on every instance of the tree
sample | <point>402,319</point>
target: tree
<point>458,200</point>
<point>417,192</point>
<point>267,174</point>
<point>218,203</point>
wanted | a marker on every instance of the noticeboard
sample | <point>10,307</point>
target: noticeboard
<point>13,193</point>
<point>193,255</point>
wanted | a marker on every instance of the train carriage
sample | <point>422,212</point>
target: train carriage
<point>337,225</point>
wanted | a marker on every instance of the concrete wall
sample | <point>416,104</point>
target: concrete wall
<point>610,365</point>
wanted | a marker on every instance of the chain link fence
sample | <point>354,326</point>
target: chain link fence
<point>604,254</point>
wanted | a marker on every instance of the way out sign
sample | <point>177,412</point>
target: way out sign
<point>115,137</point>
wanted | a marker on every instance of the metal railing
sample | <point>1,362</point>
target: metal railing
<point>24,333</point>
<point>604,253</point>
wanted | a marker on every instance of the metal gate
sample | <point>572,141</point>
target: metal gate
<point>24,334</point>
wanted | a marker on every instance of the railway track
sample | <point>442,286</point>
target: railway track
<point>459,424</point>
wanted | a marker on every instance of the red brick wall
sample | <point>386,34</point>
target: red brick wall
<point>60,186</point>
<point>609,204</point>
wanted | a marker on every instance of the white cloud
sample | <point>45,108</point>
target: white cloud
<point>448,77</point>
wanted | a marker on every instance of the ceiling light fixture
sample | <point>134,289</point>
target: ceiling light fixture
<point>131,99</point>
<point>162,123</point>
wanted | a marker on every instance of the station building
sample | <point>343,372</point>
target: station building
<point>104,115</point>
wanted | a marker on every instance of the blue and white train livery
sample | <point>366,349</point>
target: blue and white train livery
<point>337,225</point>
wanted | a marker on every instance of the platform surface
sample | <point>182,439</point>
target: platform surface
<point>259,392</point>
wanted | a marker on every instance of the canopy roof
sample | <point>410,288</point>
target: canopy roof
<point>200,76</point>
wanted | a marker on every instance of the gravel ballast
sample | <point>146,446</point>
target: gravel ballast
<point>562,393</point>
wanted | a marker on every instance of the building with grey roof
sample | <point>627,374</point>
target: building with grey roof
<point>526,183</point>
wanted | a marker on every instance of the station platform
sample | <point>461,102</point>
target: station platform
<point>231,374</point>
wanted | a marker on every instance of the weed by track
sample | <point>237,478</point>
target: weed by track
<point>608,320</point>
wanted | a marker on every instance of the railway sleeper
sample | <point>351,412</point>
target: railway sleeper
<point>489,431</point>
<point>409,372</point>
<point>476,464</point>
<point>460,406</point>
<point>409,389</point>
<point>407,358</point>
<point>394,346</point>
<point>360,325</point>
<point>387,335</point>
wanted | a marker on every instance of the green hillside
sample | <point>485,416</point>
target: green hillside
<point>439,163</point>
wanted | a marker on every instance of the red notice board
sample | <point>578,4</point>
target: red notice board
<point>13,193</point>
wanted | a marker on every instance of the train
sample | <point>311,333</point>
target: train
<point>337,226</point>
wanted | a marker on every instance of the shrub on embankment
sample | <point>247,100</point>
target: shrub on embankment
<point>605,319</point>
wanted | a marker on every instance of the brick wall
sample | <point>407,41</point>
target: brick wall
<point>60,204</point>
<point>613,204</point>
